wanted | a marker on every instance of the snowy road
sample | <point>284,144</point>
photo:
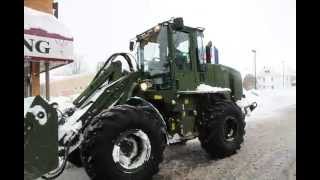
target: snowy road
<point>269,150</point>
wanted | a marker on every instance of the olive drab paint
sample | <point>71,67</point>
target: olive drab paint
<point>40,140</point>
<point>177,100</point>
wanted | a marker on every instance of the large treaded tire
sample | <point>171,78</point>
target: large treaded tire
<point>212,135</point>
<point>75,158</point>
<point>101,134</point>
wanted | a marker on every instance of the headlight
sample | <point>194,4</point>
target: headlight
<point>144,86</point>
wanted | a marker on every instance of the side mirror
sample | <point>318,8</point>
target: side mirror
<point>178,23</point>
<point>131,45</point>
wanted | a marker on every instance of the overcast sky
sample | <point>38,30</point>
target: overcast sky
<point>103,27</point>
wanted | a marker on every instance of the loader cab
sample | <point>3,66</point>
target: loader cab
<point>172,55</point>
<point>153,56</point>
<point>189,57</point>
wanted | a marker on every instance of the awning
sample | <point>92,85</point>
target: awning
<point>46,39</point>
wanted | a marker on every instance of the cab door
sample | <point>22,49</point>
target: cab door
<point>183,60</point>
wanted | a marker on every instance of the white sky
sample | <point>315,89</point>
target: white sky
<point>103,27</point>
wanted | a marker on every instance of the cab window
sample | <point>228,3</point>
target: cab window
<point>182,50</point>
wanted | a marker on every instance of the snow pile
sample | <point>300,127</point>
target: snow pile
<point>252,93</point>
<point>270,100</point>
<point>64,101</point>
<point>250,97</point>
<point>207,88</point>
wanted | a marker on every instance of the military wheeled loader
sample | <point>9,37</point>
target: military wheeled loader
<point>119,126</point>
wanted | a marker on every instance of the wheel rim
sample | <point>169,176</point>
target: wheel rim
<point>230,129</point>
<point>132,149</point>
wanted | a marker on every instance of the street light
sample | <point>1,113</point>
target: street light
<point>255,67</point>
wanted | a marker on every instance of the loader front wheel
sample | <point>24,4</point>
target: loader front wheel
<point>74,158</point>
<point>123,143</point>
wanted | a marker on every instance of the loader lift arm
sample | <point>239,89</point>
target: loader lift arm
<point>109,72</point>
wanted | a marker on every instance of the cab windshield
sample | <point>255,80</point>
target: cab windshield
<point>153,51</point>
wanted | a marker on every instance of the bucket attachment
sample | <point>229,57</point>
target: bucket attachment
<point>40,137</point>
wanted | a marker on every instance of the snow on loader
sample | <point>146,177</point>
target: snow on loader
<point>119,126</point>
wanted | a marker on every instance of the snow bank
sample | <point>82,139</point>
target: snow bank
<point>270,101</point>
<point>250,97</point>
<point>64,101</point>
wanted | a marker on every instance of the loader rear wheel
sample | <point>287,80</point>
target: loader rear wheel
<point>123,143</point>
<point>224,131</point>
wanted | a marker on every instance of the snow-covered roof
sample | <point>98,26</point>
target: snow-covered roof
<point>46,39</point>
<point>34,19</point>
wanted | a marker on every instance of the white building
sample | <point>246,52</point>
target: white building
<point>268,78</point>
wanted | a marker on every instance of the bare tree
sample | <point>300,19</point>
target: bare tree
<point>76,67</point>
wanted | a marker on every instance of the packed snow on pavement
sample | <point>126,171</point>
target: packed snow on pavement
<point>269,150</point>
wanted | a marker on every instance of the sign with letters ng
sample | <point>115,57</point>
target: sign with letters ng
<point>46,48</point>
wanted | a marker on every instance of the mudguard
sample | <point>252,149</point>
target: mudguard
<point>138,101</point>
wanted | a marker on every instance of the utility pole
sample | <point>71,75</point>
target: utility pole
<point>255,68</point>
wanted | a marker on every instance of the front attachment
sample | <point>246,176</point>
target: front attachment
<point>40,137</point>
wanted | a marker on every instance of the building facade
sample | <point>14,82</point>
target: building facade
<point>268,78</point>
<point>47,44</point>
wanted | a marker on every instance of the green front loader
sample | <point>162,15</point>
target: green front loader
<point>136,105</point>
